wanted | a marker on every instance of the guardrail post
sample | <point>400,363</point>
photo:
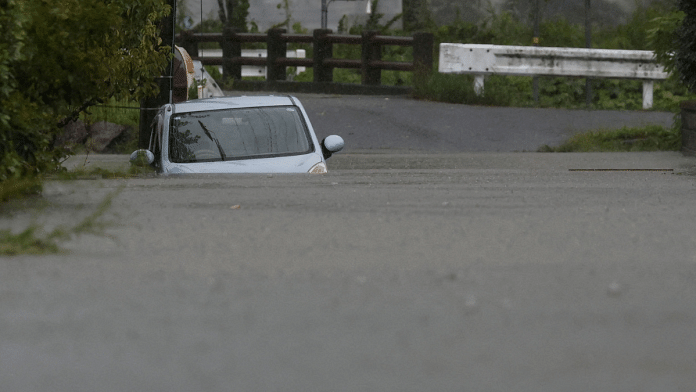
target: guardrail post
<point>422,55</point>
<point>648,93</point>
<point>188,43</point>
<point>231,48</point>
<point>371,51</point>
<point>323,49</point>
<point>479,80</point>
<point>276,50</point>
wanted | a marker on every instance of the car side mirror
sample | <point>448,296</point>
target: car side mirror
<point>331,144</point>
<point>142,157</point>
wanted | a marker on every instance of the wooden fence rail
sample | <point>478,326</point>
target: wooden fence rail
<point>322,40</point>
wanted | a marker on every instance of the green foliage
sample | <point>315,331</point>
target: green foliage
<point>374,20</point>
<point>19,188</point>
<point>214,72</point>
<point>662,38</point>
<point>635,33</point>
<point>233,13</point>
<point>285,6</point>
<point>26,242</point>
<point>459,89</point>
<point>58,59</point>
<point>685,53</point>
<point>193,89</point>
<point>554,92</point>
<point>460,31</point>
<point>417,15</point>
<point>134,170</point>
<point>505,29</point>
<point>123,112</point>
<point>650,138</point>
<point>209,26</point>
<point>446,11</point>
<point>33,240</point>
<point>559,32</point>
<point>649,28</point>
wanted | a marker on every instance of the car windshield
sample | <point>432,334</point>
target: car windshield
<point>237,134</point>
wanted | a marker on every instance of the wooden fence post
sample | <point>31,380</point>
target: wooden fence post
<point>688,127</point>
<point>323,49</point>
<point>422,55</point>
<point>371,51</point>
<point>276,48</point>
<point>231,48</point>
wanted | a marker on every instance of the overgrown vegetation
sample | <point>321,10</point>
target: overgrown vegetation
<point>123,112</point>
<point>648,28</point>
<point>650,138</point>
<point>15,188</point>
<point>101,173</point>
<point>28,242</point>
<point>57,59</point>
<point>33,240</point>
<point>684,58</point>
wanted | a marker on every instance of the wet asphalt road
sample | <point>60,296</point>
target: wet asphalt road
<point>400,123</point>
<point>394,272</point>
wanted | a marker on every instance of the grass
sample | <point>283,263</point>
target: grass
<point>460,89</point>
<point>18,188</point>
<point>554,92</point>
<point>33,241</point>
<point>27,242</point>
<point>101,173</point>
<point>649,138</point>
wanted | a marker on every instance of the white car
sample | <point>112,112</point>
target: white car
<point>248,134</point>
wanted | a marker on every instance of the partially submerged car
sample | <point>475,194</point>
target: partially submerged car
<point>248,134</point>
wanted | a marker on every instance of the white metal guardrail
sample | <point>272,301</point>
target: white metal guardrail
<point>253,70</point>
<point>482,60</point>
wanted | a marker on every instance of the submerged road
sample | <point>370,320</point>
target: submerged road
<point>393,272</point>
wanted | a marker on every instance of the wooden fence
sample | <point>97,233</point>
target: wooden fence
<point>370,63</point>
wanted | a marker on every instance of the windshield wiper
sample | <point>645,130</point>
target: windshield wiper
<point>217,143</point>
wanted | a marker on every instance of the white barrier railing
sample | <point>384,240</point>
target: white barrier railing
<point>482,60</point>
<point>254,70</point>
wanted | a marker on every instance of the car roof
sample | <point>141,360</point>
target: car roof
<point>219,103</point>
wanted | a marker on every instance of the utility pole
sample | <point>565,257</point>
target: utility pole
<point>588,44</point>
<point>324,14</point>
<point>535,42</point>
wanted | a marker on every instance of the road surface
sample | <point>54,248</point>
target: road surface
<point>400,123</point>
<point>394,272</point>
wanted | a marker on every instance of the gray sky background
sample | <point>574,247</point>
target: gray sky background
<point>308,12</point>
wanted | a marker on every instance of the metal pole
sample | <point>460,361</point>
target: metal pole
<point>171,61</point>
<point>324,14</point>
<point>535,42</point>
<point>588,44</point>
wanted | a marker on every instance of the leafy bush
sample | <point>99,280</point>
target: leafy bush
<point>685,53</point>
<point>18,188</point>
<point>58,59</point>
